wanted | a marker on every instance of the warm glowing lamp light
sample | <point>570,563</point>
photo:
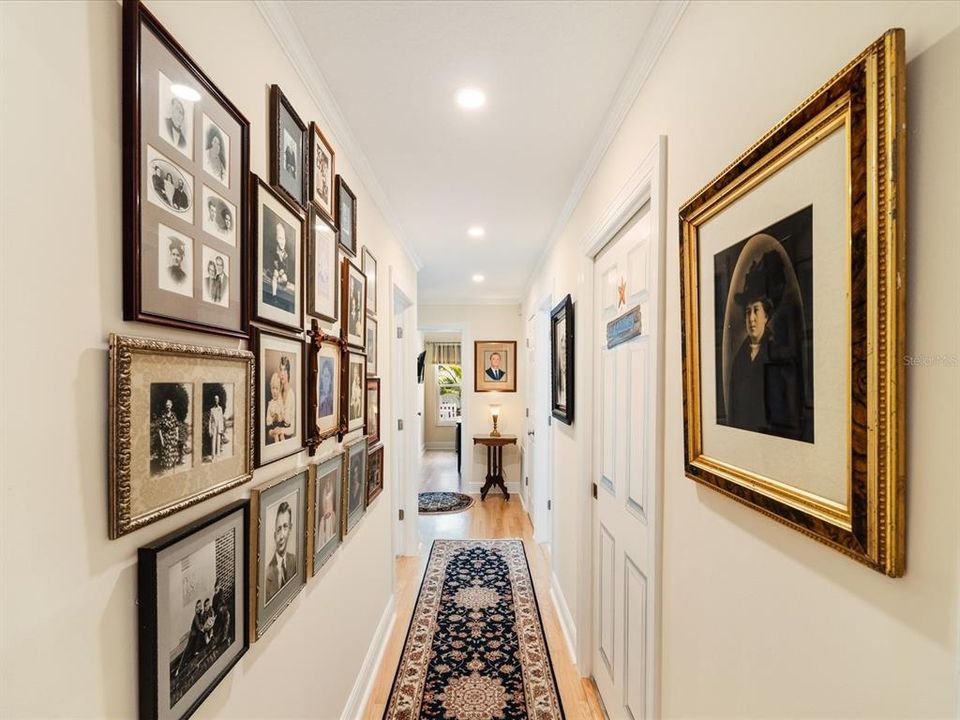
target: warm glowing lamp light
<point>495,414</point>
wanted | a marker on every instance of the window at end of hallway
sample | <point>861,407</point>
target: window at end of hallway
<point>449,378</point>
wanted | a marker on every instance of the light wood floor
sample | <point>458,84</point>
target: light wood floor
<point>493,518</point>
<point>438,471</point>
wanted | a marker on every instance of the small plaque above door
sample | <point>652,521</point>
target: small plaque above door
<point>624,328</point>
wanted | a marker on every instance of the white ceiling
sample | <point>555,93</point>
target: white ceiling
<point>551,72</point>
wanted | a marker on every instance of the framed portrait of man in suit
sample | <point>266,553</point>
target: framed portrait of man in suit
<point>495,365</point>
<point>278,556</point>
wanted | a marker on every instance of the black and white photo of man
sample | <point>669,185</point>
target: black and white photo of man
<point>494,371</point>
<point>765,330</point>
<point>175,261</point>
<point>217,421</point>
<point>216,283</point>
<point>176,117</point>
<point>283,563</point>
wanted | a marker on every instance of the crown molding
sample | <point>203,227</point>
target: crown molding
<point>442,301</point>
<point>285,29</point>
<point>655,39</point>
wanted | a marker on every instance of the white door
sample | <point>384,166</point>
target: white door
<point>529,439</point>
<point>625,536</point>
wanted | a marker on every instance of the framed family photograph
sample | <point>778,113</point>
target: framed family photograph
<point>370,271</point>
<point>561,361</point>
<point>374,472</point>
<point>278,547</point>
<point>373,409</point>
<point>326,511</point>
<point>793,309</point>
<point>354,483</point>
<point>288,150</point>
<point>346,217</point>
<point>371,346</point>
<point>353,391</point>
<point>495,366</point>
<point>354,289</point>
<point>276,269</point>
<point>280,374</point>
<point>181,427</point>
<point>192,603</point>
<point>185,197</point>
<point>322,172</point>
<point>323,276</point>
<point>323,406</point>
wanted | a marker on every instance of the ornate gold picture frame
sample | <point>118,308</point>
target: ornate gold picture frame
<point>792,290</point>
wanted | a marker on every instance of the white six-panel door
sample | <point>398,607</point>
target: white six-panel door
<point>626,413</point>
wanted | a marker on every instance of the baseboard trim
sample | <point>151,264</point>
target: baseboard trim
<point>567,624</point>
<point>360,694</point>
<point>440,445</point>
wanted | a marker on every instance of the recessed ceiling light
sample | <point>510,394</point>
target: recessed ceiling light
<point>478,278</point>
<point>185,92</point>
<point>475,231</point>
<point>471,98</point>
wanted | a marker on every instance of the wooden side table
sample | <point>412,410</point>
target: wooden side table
<point>494,447</point>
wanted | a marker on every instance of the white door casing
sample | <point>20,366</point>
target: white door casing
<point>528,488</point>
<point>405,468</point>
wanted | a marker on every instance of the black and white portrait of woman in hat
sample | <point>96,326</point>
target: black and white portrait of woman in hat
<point>765,341</point>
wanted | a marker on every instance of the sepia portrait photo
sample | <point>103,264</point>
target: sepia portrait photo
<point>373,409</point>
<point>217,421</point>
<point>322,172</point>
<point>356,474</point>
<point>355,391</point>
<point>170,186</point>
<point>354,315</point>
<point>280,401</point>
<point>279,277</point>
<point>346,217</point>
<point>495,365</point>
<point>326,509</point>
<point>374,472</point>
<point>324,279</point>
<point>219,217</point>
<point>216,151</point>
<point>216,278</point>
<point>174,261</point>
<point>764,330</point>
<point>328,371</point>
<point>171,421</point>
<point>176,115</point>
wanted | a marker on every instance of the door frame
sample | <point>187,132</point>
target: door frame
<point>543,462</point>
<point>406,461</point>
<point>647,184</point>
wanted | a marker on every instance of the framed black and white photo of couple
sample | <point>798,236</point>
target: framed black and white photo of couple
<point>192,604</point>
<point>354,482</point>
<point>353,391</point>
<point>346,217</point>
<point>561,361</point>
<point>370,271</point>
<point>185,171</point>
<point>323,404</point>
<point>353,286</point>
<point>323,272</point>
<point>326,487</point>
<point>289,145</point>
<point>495,366</point>
<point>792,289</point>
<point>276,269</point>
<point>280,430</point>
<point>278,547</point>
<point>322,172</point>
<point>181,427</point>
<point>374,472</point>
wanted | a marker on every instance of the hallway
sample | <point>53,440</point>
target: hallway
<point>492,518</point>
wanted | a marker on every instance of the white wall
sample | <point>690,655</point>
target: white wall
<point>479,323</point>
<point>69,615</point>
<point>758,620</point>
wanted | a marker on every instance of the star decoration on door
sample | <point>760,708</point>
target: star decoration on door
<point>622,291</point>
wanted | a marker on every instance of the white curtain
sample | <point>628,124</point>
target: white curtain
<point>443,353</point>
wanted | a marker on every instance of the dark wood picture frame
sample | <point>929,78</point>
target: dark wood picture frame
<point>563,312</point>
<point>135,17</point>
<point>278,102</point>
<point>373,383</point>
<point>374,465</point>
<point>343,188</point>
<point>255,274</point>
<point>316,338</point>
<point>314,216</point>
<point>348,264</point>
<point>317,136</point>
<point>148,613</point>
<point>370,259</point>
<point>256,338</point>
<point>345,428</point>
<point>866,101</point>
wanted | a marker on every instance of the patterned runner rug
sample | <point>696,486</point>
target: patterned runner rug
<point>436,503</point>
<point>475,649</point>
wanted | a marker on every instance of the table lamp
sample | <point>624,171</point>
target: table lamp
<point>495,414</point>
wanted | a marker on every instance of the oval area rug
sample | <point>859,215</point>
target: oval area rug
<point>436,503</point>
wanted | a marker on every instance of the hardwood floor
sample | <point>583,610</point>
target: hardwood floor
<point>493,518</point>
<point>438,471</point>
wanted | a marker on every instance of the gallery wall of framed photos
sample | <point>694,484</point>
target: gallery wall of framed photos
<point>172,284</point>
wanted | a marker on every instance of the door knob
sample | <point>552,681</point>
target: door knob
<point>530,432</point>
